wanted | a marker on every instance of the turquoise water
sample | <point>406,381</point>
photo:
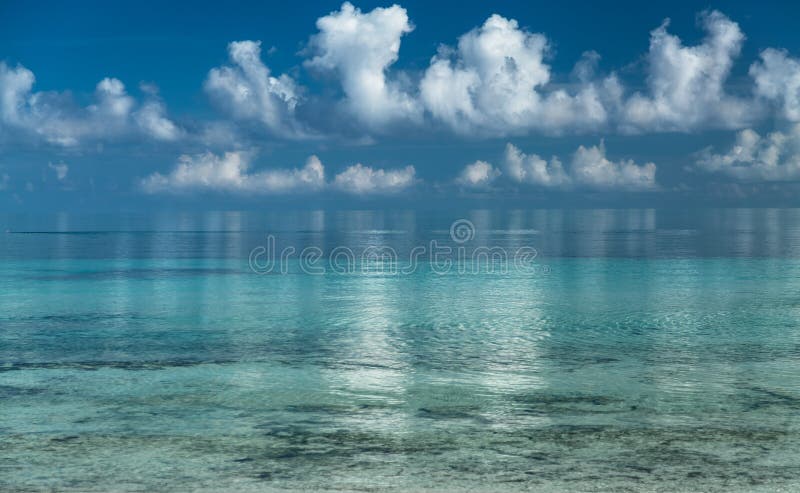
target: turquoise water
<point>644,351</point>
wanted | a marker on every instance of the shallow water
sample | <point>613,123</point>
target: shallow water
<point>643,351</point>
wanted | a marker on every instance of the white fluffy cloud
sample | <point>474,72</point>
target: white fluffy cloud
<point>532,169</point>
<point>686,84</point>
<point>777,78</point>
<point>359,48</point>
<point>360,179</point>
<point>113,102</point>
<point>152,119</point>
<point>248,91</point>
<point>479,174</point>
<point>494,83</point>
<point>229,172</point>
<point>61,170</point>
<point>497,82</point>
<point>774,157</point>
<point>15,87</point>
<point>55,118</point>
<point>589,168</point>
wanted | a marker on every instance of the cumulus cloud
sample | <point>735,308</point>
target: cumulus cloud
<point>777,78</point>
<point>61,170</point>
<point>686,84</point>
<point>360,179</point>
<point>773,157</point>
<point>479,174</point>
<point>229,172</point>
<point>152,118</point>
<point>359,48</point>
<point>532,169</point>
<point>495,83</point>
<point>15,87</point>
<point>249,92</point>
<point>589,168</point>
<point>55,118</point>
<point>113,102</point>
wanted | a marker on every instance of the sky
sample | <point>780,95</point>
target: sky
<point>124,106</point>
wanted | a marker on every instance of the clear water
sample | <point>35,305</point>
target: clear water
<point>647,351</point>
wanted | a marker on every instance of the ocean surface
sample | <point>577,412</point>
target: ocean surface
<point>630,350</point>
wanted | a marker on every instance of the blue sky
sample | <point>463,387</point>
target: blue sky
<point>157,104</point>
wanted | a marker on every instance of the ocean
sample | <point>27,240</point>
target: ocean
<point>475,350</point>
